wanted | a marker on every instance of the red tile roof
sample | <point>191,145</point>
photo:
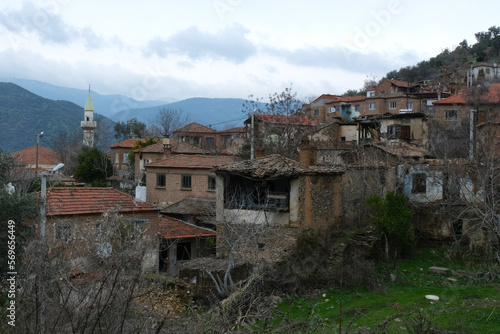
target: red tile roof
<point>400,83</point>
<point>171,228</point>
<point>491,96</point>
<point>177,148</point>
<point>192,161</point>
<point>301,120</point>
<point>325,97</point>
<point>45,156</point>
<point>195,127</point>
<point>85,200</point>
<point>127,143</point>
<point>238,129</point>
<point>349,99</point>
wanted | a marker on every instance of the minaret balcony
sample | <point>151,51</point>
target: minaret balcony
<point>89,124</point>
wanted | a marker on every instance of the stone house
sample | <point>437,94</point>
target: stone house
<point>280,193</point>
<point>278,134</point>
<point>182,176</point>
<point>182,242</point>
<point>118,154</point>
<point>233,139</point>
<point>75,222</point>
<point>468,119</point>
<point>198,135</point>
<point>410,128</point>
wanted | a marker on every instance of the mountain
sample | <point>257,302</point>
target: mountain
<point>105,105</point>
<point>23,115</point>
<point>220,113</point>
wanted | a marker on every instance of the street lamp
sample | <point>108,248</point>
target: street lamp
<point>43,196</point>
<point>38,135</point>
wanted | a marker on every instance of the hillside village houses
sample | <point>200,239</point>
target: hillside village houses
<point>385,140</point>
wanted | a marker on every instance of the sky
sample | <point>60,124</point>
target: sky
<point>155,49</point>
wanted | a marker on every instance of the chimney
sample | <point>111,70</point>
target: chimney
<point>307,153</point>
<point>259,153</point>
<point>167,147</point>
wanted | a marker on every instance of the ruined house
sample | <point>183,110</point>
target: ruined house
<point>280,193</point>
<point>181,242</point>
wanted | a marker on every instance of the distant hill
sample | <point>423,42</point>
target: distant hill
<point>105,105</point>
<point>23,115</point>
<point>220,113</point>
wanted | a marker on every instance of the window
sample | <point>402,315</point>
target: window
<point>392,105</point>
<point>409,106</point>
<point>370,93</point>
<point>399,132</point>
<point>357,107</point>
<point>371,105</point>
<point>63,233</point>
<point>186,181</point>
<point>196,140</point>
<point>115,157</point>
<point>160,180</point>
<point>334,109</point>
<point>125,158</point>
<point>210,141</point>
<point>211,183</point>
<point>316,112</point>
<point>451,115</point>
<point>137,228</point>
<point>419,185</point>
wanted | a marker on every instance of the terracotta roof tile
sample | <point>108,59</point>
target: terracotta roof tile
<point>192,161</point>
<point>177,148</point>
<point>491,96</point>
<point>238,129</point>
<point>45,156</point>
<point>171,228</point>
<point>195,127</point>
<point>325,97</point>
<point>85,200</point>
<point>301,120</point>
<point>400,83</point>
<point>349,99</point>
<point>127,143</point>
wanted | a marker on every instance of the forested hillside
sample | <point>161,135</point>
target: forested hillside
<point>453,64</point>
<point>23,115</point>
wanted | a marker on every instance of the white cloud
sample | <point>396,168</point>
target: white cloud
<point>226,48</point>
<point>230,44</point>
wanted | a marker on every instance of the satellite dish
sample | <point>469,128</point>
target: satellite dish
<point>104,250</point>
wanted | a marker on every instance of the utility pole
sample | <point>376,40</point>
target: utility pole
<point>252,134</point>
<point>38,135</point>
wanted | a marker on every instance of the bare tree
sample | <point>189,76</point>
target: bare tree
<point>167,121</point>
<point>68,145</point>
<point>92,284</point>
<point>283,131</point>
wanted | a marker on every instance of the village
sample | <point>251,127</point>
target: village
<point>212,207</point>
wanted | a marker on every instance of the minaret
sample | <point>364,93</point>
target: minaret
<point>88,123</point>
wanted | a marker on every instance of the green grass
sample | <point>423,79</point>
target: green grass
<point>464,306</point>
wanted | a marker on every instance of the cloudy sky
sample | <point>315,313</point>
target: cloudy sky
<point>153,49</point>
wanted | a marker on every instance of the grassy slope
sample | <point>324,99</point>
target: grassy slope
<point>465,306</point>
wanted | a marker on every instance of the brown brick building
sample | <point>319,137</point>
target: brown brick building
<point>182,176</point>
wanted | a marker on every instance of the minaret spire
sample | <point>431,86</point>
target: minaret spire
<point>88,124</point>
